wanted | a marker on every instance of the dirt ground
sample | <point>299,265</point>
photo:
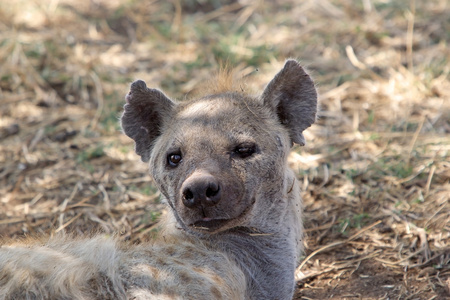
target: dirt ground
<point>376,168</point>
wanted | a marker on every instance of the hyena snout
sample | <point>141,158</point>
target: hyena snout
<point>201,190</point>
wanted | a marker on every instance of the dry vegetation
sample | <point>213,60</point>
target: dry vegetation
<point>376,168</point>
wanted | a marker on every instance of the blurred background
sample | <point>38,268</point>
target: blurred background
<point>375,171</point>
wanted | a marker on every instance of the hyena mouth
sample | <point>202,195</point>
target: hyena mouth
<point>209,224</point>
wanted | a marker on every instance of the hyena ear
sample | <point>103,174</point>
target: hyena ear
<point>291,94</point>
<point>144,113</point>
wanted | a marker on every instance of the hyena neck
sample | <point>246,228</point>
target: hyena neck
<point>268,262</point>
<point>268,251</point>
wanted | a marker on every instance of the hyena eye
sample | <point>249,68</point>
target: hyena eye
<point>245,150</point>
<point>173,159</point>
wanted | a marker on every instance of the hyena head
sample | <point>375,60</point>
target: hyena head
<point>220,161</point>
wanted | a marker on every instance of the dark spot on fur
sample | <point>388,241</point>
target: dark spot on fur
<point>216,293</point>
<point>184,277</point>
<point>170,251</point>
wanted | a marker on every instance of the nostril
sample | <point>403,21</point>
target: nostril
<point>212,190</point>
<point>188,194</point>
<point>188,198</point>
<point>212,194</point>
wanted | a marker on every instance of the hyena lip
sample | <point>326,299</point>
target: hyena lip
<point>214,225</point>
<point>210,224</point>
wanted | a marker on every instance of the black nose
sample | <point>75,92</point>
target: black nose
<point>201,190</point>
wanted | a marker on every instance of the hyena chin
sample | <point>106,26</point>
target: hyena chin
<point>234,226</point>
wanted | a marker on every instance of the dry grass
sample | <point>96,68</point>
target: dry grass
<point>376,168</point>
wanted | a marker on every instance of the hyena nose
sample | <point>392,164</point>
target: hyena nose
<point>203,190</point>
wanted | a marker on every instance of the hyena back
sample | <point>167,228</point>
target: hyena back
<point>234,226</point>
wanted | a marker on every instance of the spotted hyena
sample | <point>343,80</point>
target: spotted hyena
<point>235,226</point>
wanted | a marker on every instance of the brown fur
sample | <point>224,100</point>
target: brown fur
<point>234,231</point>
<point>226,79</point>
